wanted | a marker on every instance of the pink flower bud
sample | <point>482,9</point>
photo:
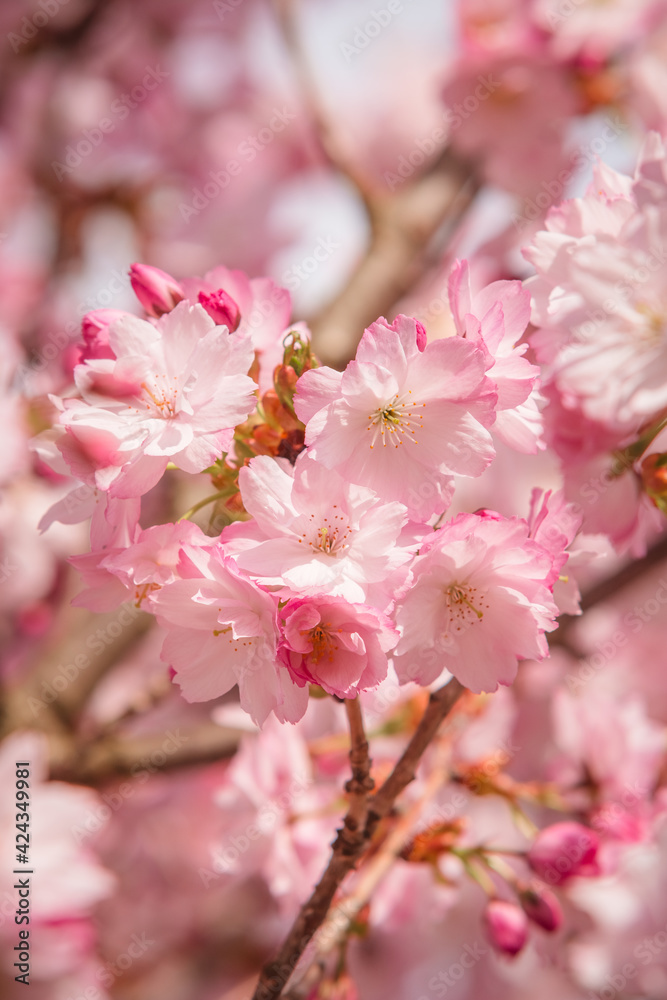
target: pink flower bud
<point>157,291</point>
<point>542,907</point>
<point>506,926</point>
<point>221,307</point>
<point>563,850</point>
<point>95,332</point>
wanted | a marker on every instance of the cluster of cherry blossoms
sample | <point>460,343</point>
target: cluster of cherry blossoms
<point>600,308</point>
<point>336,555</point>
<point>326,709</point>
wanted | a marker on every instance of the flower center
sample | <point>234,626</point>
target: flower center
<point>160,395</point>
<point>397,420</point>
<point>655,323</point>
<point>330,538</point>
<point>323,642</point>
<point>466,606</point>
<point>141,593</point>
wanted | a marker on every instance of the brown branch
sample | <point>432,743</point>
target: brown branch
<point>439,706</point>
<point>360,784</point>
<point>403,227</point>
<point>351,842</point>
<point>605,589</point>
<point>340,918</point>
<point>117,757</point>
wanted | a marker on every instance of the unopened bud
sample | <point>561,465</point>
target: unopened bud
<point>221,307</point>
<point>285,380</point>
<point>563,850</point>
<point>542,907</point>
<point>157,291</point>
<point>506,926</point>
<point>654,478</point>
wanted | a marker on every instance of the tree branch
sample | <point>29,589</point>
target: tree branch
<point>403,226</point>
<point>353,839</point>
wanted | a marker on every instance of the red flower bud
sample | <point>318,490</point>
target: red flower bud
<point>563,850</point>
<point>542,907</point>
<point>506,926</point>
<point>221,307</point>
<point>157,291</point>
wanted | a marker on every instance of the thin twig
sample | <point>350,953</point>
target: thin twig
<point>341,917</point>
<point>351,842</point>
<point>347,849</point>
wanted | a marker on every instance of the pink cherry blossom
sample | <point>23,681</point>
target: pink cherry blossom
<point>314,533</point>
<point>403,417</point>
<point>479,601</point>
<point>149,560</point>
<point>554,524</point>
<point>223,630</point>
<point>174,393</point>
<point>599,296</point>
<point>495,319</point>
<point>340,646</point>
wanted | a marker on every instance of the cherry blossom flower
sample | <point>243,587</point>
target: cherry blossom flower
<point>495,319</point>
<point>599,296</point>
<point>174,393</point>
<point>313,533</point>
<point>479,601</point>
<point>403,417</point>
<point>340,646</point>
<point>152,558</point>
<point>222,631</point>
